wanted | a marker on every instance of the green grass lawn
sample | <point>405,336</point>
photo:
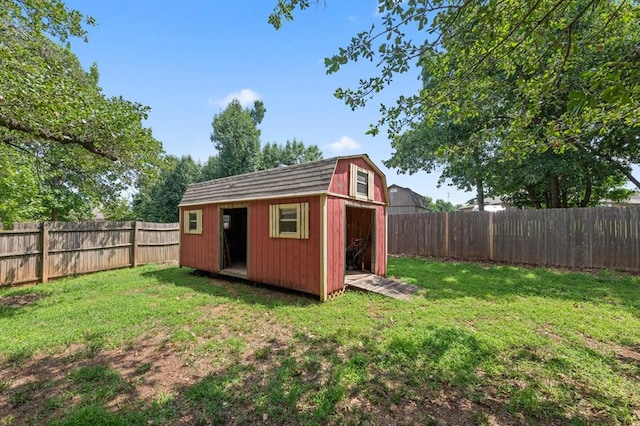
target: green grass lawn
<point>478,345</point>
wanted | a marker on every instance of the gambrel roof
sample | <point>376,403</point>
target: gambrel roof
<point>418,200</point>
<point>304,179</point>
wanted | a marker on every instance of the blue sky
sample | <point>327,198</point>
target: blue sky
<point>187,59</point>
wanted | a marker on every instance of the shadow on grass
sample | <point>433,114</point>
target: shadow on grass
<point>245,291</point>
<point>425,377</point>
<point>446,280</point>
<point>14,302</point>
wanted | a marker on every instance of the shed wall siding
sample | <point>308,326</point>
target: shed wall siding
<point>340,181</point>
<point>286,262</point>
<point>335,243</point>
<point>381,241</point>
<point>200,251</point>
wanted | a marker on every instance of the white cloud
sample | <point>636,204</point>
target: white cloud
<point>344,145</point>
<point>246,97</point>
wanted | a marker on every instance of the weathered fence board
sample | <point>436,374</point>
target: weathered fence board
<point>33,252</point>
<point>602,237</point>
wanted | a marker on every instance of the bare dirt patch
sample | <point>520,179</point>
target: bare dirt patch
<point>626,354</point>
<point>19,300</point>
<point>149,367</point>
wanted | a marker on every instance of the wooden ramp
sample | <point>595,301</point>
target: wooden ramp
<point>376,284</point>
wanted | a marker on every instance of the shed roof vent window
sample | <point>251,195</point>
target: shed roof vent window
<point>361,183</point>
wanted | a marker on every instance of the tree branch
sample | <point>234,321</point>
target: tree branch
<point>11,123</point>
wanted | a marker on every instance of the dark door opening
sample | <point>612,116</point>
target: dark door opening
<point>360,239</point>
<point>234,238</point>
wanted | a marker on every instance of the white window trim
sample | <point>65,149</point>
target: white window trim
<point>302,222</point>
<point>186,222</point>
<point>353,183</point>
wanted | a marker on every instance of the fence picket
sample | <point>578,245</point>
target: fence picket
<point>33,252</point>
<point>595,237</point>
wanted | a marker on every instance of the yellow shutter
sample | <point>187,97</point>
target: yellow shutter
<point>304,221</point>
<point>185,222</point>
<point>199,216</point>
<point>273,221</point>
<point>353,180</point>
<point>370,186</point>
<point>302,210</point>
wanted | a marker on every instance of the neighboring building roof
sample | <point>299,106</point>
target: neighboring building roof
<point>632,200</point>
<point>299,179</point>
<point>418,200</point>
<point>490,204</point>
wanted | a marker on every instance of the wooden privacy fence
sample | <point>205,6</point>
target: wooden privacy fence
<point>36,252</point>
<point>599,237</point>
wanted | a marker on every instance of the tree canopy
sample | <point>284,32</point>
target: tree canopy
<point>158,201</point>
<point>550,84</point>
<point>292,152</point>
<point>237,138</point>
<point>55,117</point>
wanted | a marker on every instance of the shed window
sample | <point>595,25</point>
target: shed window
<point>289,220</point>
<point>361,183</point>
<point>193,222</point>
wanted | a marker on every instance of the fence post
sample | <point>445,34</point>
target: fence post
<point>44,252</point>
<point>490,235</point>
<point>446,234</point>
<point>134,244</point>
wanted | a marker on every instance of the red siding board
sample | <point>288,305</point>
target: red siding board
<point>335,244</point>
<point>340,181</point>
<point>381,241</point>
<point>285,262</point>
<point>200,251</point>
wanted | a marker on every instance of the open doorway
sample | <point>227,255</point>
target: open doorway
<point>234,242</point>
<point>360,240</point>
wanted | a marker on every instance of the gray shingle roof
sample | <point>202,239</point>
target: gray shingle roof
<point>307,178</point>
<point>418,199</point>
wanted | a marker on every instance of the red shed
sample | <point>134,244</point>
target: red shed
<point>299,227</point>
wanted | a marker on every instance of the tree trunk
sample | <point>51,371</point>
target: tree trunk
<point>625,170</point>
<point>587,192</point>
<point>480,194</point>
<point>629,176</point>
<point>55,214</point>
<point>554,187</point>
<point>534,198</point>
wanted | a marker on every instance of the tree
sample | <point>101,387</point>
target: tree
<point>45,184</point>
<point>237,138</point>
<point>120,209</point>
<point>209,169</point>
<point>460,148</point>
<point>47,97</point>
<point>552,180</point>
<point>292,152</point>
<point>18,187</point>
<point>563,74</point>
<point>83,146</point>
<point>440,205</point>
<point>158,202</point>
